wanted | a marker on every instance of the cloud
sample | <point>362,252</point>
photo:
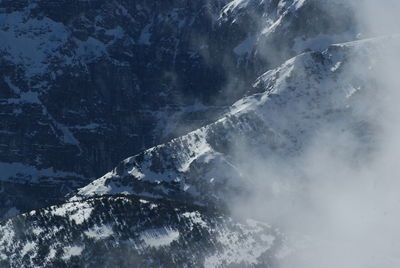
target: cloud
<point>337,199</point>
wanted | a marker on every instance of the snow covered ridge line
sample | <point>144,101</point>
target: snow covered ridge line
<point>242,4</point>
<point>133,232</point>
<point>79,213</point>
<point>176,180</point>
<point>281,19</point>
<point>305,94</point>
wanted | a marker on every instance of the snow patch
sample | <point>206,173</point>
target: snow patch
<point>235,4</point>
<point>97,187</point>
<point>30,246</point>
<point>239,248</point>
<point>26,97</point>
<point>78,212</point>
<point>26,173</point>
<point>51,255</point>
<point>30,42</point>
<point>145,35</point>
<point>72,251</point>
<point>91,49</point>
<point>99,232</point>
<point>195,218</point>
<point>159,237</point>
<point>37,231</point>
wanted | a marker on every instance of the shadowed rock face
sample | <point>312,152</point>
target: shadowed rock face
<point>84,84</point>
<point>98,78</point>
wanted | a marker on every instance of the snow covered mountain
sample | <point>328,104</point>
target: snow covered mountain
<point>191,89</point>
<point>85,84</point>
<point>167,205</point>
<point>300,98</point>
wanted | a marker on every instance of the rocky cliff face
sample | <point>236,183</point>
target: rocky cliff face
<point>183,86</point>
<point>85,84</point>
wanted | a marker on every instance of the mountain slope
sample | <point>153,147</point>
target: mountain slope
<point>306,95</point>
<point>160,207</point>
<point>84,84</point>
<point>120,231</point>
